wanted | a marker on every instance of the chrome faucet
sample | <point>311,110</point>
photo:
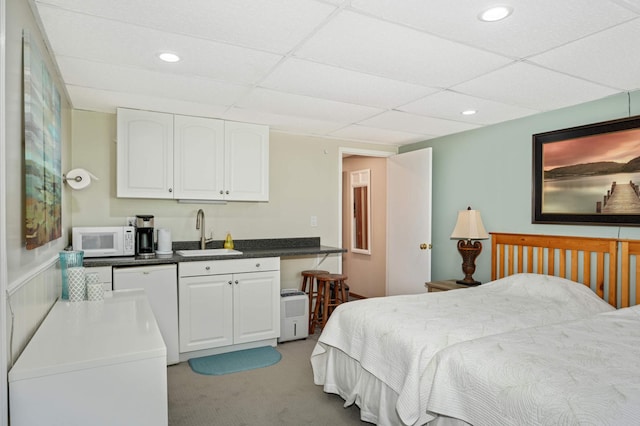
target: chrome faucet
<point>201,226</point>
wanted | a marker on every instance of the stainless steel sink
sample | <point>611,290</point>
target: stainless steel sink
<point>208,252</point>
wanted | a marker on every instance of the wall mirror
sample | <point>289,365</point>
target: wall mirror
<point>361,211</point>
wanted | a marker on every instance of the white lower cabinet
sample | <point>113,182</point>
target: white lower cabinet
<point>226,303</point>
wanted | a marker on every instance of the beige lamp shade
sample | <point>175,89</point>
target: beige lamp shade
<point>469,226</point>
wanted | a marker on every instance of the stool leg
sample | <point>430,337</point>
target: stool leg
<point>303,287</point>
<point>316,308</point>
<point>344,293</point>
<point>333,291</point>
<point>313,296</point>
<point>326,292</point>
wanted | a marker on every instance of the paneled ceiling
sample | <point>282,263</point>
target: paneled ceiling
<point>383,71</point>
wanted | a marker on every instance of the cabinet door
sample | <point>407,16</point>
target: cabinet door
<point>205,312</point>
<point>198,158</point>
<point>256,306</point>
<point>144,154</point>
<point>246,162</point>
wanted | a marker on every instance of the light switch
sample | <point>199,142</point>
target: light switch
<point>314,220</point>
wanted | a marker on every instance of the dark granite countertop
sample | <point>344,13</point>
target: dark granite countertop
<point>276,247</point>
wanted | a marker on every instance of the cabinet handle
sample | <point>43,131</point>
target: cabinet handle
<point>207,268</point>
<point>257,265</point>
<point>170,190</point>
<point>236,282</point>
<point>227,192</point>
<point>221,192</point>
<point>229,282</point>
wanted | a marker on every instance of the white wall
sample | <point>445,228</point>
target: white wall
<point>3,226</point>
<point>21,261</point>
<point>304,182</point>
<point>30,275</point>
<point>490,170</point>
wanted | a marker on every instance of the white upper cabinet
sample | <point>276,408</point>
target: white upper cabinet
<point>191,158</point>
<point>198,172</point>
<point>246,162</point>
<point>144,154</point>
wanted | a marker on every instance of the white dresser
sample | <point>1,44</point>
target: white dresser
<point>97,363</point>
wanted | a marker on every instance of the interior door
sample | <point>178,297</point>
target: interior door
<point>409,222</point>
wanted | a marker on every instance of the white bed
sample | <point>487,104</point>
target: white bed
<point>374,352</point>
<point>581,372</point>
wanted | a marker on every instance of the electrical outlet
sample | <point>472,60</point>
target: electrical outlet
<point>314,221</point>
<point>131,221</point>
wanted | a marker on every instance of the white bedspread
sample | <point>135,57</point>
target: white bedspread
<point>394,338</point>
<point>577,373</point>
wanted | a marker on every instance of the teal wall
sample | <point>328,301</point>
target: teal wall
<point>490,170</point>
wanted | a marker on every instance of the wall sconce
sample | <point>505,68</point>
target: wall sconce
<point>469,227</point>
<point>78,178</point>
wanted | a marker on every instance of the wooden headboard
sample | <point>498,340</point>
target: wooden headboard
<point>630,271</point>
<point>590,261</point>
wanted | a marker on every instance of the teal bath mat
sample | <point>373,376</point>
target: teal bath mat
<point>232,362</point>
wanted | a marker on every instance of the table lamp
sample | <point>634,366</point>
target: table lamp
<point>469,227</point>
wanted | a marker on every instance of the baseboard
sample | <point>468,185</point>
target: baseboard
<point>185,356</point>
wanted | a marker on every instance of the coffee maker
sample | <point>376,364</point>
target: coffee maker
<point>144,236</point>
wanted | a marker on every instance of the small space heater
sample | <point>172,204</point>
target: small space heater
<point>294,315</point>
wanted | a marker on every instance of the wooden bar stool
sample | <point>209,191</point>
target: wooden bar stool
<point>309,278</point>
<point>332,291</point>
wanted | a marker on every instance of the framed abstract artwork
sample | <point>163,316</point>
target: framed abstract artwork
<point>42,150</point>
<point>588,174</point>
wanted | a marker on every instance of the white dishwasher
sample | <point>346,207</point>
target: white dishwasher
<point>161,285</point>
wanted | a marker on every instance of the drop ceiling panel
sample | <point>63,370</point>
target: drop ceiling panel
<point>405,122</point>
<point>530,86</point>
<point>107,41</point>
<point>610,57</point>
<point>270,25</point>
<point>450,105</point>
<point>370,45</point>
<point>633,5</point>
<point>372,134</point>
<point>107,101</point>
<point>285,123</point>
<point>370,70</point>
<point>145,82</point>
<point>328,82</point>
<point>305,106</point>
<point>534,27</point>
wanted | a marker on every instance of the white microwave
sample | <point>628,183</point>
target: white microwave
<point>104,241</point>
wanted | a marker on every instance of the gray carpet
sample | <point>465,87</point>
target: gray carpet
<point>282,394</point>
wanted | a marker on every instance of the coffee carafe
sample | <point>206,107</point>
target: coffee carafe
<point>144,236</point>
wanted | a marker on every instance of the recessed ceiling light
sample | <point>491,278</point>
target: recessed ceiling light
<point>169,57</point>
<point>469,112</point>
<point>495,13</point>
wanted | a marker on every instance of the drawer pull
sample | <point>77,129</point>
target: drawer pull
<point>257,265</point>
<point>207,267</point>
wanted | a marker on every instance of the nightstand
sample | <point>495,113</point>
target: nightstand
<point>444,285</point>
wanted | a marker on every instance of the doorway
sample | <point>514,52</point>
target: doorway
<point>401,202</point>
<point>366,269</point>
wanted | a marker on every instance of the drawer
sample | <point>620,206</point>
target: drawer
<point>231,266</point>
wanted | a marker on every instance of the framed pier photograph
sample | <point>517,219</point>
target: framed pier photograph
<point>588,174</point>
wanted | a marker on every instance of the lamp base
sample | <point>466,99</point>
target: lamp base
<point>470,283</point>
<point>469,250</point>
